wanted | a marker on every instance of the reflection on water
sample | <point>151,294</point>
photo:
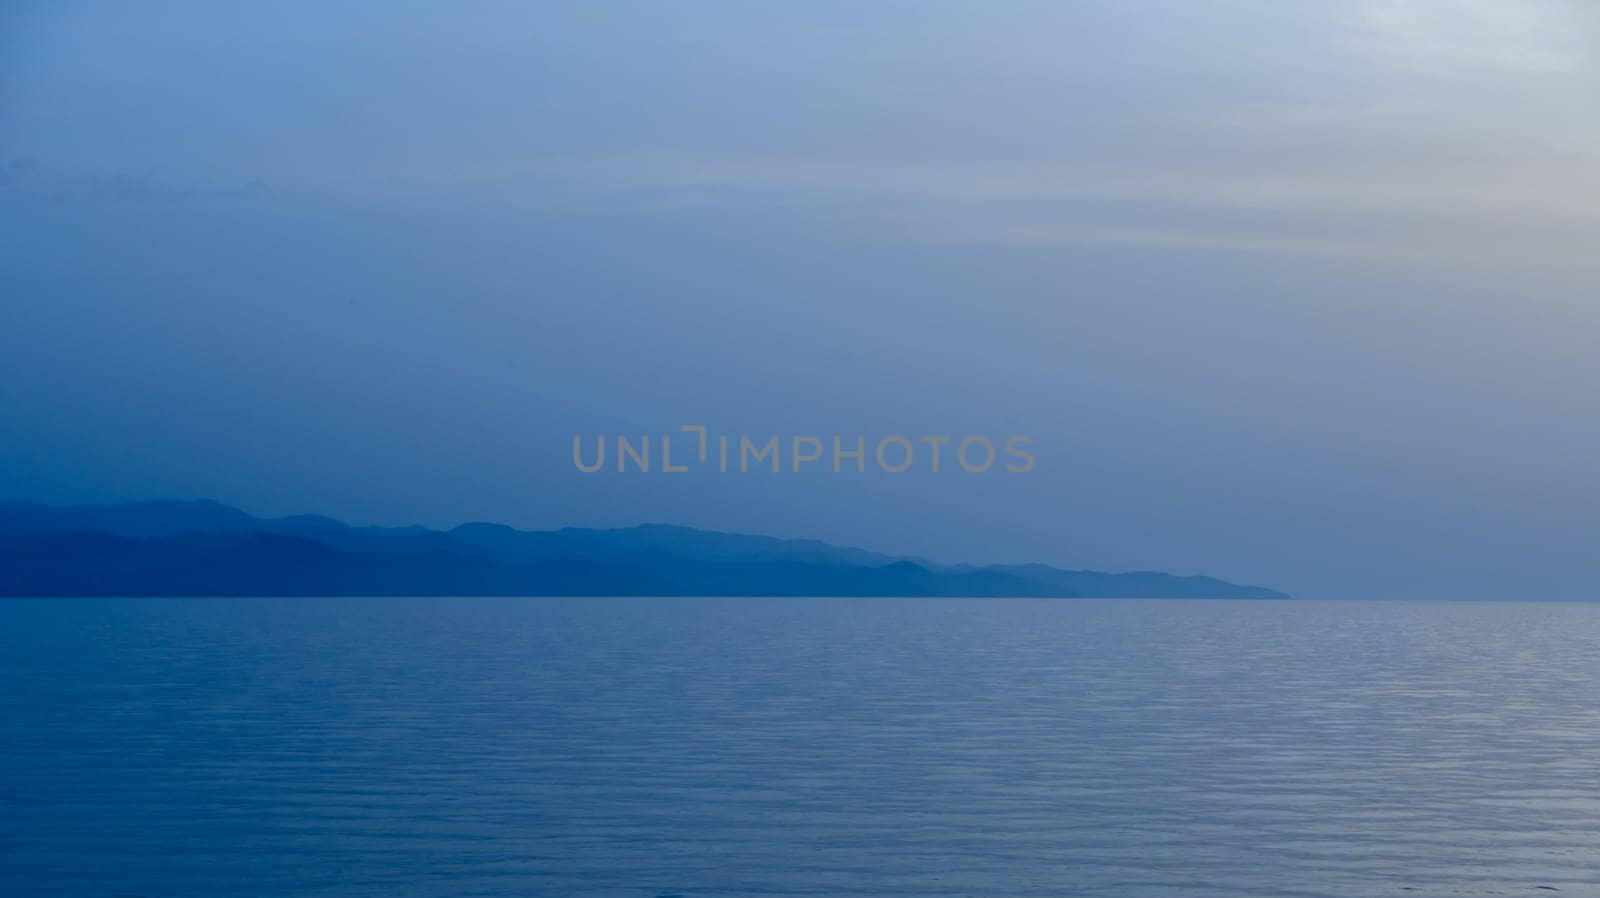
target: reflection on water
<point>421,747</point>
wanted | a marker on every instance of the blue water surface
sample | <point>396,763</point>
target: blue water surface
<point>723,747</point>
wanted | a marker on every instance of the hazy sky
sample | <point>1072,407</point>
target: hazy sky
<point>1301,294</point>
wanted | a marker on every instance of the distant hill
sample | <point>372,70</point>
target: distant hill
<point>206,548</point>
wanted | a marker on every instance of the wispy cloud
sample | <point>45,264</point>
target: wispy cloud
<point>1441,36</point>
<point>1438,129</point>
<point>1463,209</point>
<point>1447,130</point>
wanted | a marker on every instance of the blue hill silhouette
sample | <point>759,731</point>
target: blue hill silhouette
<point>205,548</point>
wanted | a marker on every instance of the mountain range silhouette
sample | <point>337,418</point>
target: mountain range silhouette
<point>205,548</point>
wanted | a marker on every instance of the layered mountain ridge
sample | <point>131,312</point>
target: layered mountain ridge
<point>206,548</point>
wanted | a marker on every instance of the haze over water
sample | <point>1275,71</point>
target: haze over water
<point>421,747</point>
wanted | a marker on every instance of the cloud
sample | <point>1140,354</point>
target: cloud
<point>1475,210</point>
<point>1438,129</point>
<point>30,176</point>
<point>1534,36</point>
<point>1445,130</point>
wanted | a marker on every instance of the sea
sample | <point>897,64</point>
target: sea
<point>734,748</point>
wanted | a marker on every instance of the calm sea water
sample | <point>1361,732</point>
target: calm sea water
<point>644,748</point>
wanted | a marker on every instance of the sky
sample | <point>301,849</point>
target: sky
<point>1302,295</point>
